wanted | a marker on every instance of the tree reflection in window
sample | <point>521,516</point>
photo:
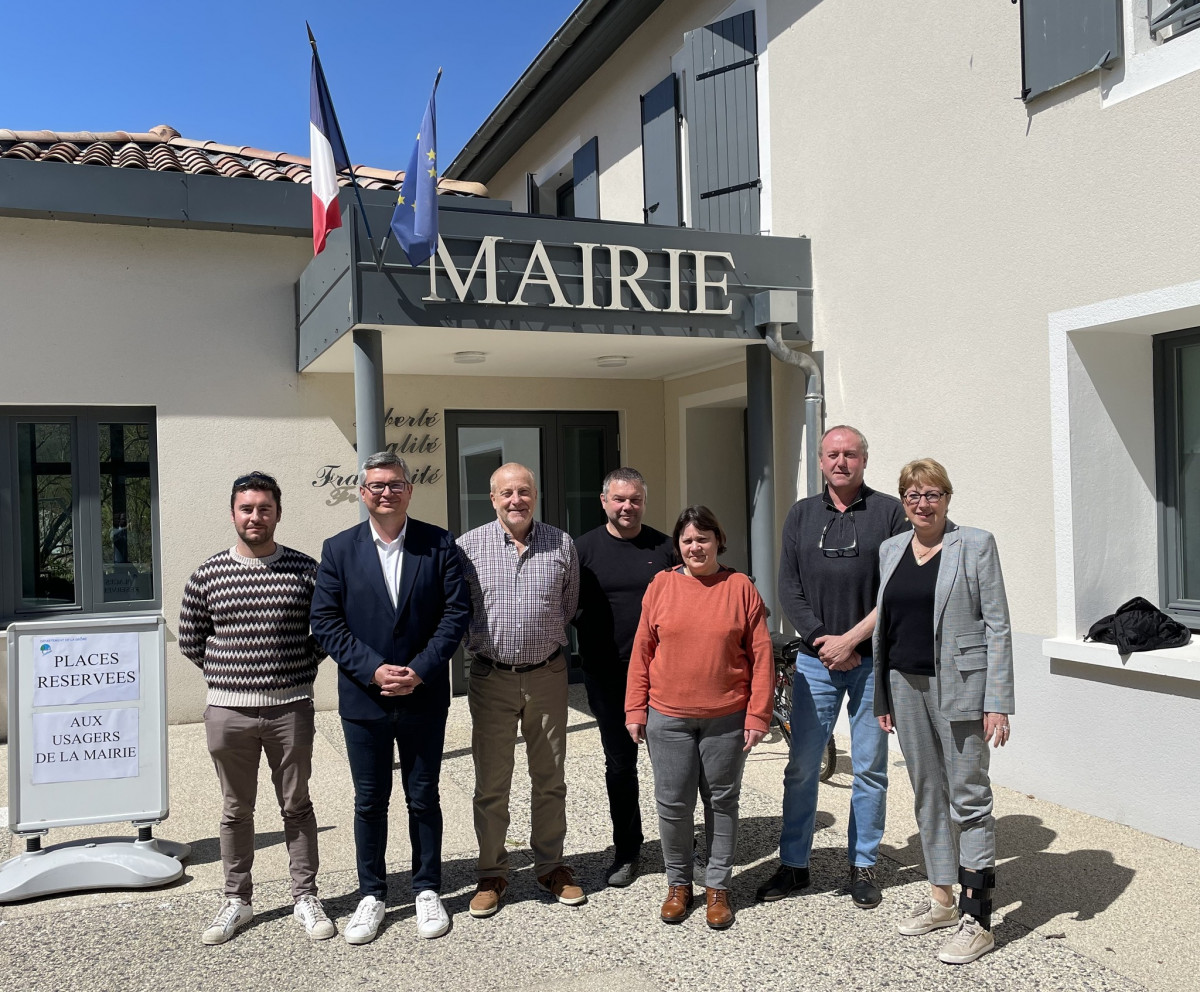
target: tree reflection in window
<point>46,501</point>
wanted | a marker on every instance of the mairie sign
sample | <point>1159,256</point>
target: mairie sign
<point>496,270</point>
<point>616,285</point>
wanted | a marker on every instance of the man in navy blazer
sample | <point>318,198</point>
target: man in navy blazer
<point>390,607</point>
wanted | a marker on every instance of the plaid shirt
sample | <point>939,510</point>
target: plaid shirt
<point>520,604</point>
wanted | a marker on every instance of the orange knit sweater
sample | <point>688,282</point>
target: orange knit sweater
<point>702,650</point>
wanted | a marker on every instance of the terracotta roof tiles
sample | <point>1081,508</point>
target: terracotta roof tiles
<point>163,149</point>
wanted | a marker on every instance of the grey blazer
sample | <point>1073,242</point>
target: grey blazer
<point>971,635</point>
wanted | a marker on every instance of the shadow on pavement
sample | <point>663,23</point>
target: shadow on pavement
<point>1045,884</point>
<point>207,850</point>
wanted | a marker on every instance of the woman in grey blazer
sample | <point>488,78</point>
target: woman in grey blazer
<point>944,686</point>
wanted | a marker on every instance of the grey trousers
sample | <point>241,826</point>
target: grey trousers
<point>689,755</point>
<point>237,736</point>
<point>948,766</point>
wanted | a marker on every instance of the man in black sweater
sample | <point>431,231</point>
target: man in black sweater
<point>616,563</point>
<point>828,581</point>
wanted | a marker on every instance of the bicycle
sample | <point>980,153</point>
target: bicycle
<point>785,651</point>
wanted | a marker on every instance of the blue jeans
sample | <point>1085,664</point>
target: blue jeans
<point>370,747</point>
<point>817,695</point>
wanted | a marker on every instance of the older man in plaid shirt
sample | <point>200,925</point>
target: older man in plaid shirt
<point>524,580</point>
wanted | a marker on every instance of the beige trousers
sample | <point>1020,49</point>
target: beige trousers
<point>533,704</point>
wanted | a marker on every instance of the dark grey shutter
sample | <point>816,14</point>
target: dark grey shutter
<point>660,154</point>
<point>722,118</point>
<point>1062,39</point>
<point>531,192</point>
<point>586,168</point>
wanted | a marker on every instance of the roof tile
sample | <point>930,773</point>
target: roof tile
<point>163,149</point>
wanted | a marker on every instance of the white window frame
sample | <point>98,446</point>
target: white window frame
<point>1148,63</point>
<point>1102,426</point>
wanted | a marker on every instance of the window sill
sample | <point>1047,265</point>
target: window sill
<point>1175,663</point>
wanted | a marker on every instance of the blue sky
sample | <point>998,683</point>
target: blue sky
<point>237,72</point>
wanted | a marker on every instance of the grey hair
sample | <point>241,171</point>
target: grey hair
<point>862,438</point>
<point>386,459</point>
<point>624,474</point>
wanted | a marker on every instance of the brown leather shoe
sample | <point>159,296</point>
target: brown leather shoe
<point>720,913</point>
<point>679,901</point>
<point>487,896</point>
<point>560,883</point>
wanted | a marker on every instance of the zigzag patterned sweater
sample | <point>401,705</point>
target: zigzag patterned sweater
<point>244,622</point>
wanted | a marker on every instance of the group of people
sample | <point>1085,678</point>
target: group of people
<point>676,654</point>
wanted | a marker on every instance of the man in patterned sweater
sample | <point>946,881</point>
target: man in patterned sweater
<point>244,622</point>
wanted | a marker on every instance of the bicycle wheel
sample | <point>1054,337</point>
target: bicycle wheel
<point>828,760</point>
<point>781,707</point>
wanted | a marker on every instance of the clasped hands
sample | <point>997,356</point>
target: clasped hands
<point>396,680</point>
<point>837,652</point>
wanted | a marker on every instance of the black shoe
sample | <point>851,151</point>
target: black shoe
<point>622,873</point>
<point>864,890</point>
<point>783,883</point>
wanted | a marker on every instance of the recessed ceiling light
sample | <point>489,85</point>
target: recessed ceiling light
<point>470,357</point>
<point>612,361</point>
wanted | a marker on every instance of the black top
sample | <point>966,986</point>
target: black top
<point>821,591</point>
<point>908,605</point>
<point>613,576</point>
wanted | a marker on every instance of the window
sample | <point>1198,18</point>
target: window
<point>1171,18</point>
<point>1177,406</point>
<point>78,512</point>
<point>573,188</point>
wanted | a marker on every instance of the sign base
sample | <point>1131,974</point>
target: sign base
<point>96,864</point>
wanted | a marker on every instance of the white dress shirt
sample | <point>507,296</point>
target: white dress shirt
<point>391,560</point>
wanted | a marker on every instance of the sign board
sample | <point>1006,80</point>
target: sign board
<point>87,722</point>
<point>502,271</point>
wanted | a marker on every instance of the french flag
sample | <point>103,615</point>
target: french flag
<point>327,157</point>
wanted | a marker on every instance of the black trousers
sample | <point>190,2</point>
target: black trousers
<point>606,697</point>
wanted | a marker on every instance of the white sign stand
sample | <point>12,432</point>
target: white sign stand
<point>87,744</point>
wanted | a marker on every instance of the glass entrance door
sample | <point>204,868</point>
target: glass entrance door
<point>568,453</point>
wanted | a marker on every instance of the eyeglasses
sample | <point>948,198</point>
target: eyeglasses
<point>849,552</point>
<point>933,498</point>
<point>379,488</point>
<point>253,481</point>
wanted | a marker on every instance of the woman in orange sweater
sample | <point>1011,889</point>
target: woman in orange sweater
<point>699,692</point>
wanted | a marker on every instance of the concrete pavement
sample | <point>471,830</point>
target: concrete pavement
<point>1083,903</point>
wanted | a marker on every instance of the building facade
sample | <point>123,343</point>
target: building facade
<point>996,214</point>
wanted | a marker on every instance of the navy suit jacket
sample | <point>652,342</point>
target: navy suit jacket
<point>354,621</point>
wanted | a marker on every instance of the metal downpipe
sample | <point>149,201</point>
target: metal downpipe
<point>813,398</point>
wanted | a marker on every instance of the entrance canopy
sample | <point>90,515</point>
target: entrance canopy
<point>545,296</point>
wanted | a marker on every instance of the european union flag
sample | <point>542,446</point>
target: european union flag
<point>415,220</point>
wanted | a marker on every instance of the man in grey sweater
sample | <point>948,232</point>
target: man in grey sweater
<point>828,581</point>
<point>244,622</point>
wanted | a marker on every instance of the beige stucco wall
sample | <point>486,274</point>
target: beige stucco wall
<point>201,326</point>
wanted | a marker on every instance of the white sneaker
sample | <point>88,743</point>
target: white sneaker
<point>432,920</point>
<point>311,914</point>
<point>927,915</point>
<point>232,916</point>
<point>969,942</point>
<point>364,924</point>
